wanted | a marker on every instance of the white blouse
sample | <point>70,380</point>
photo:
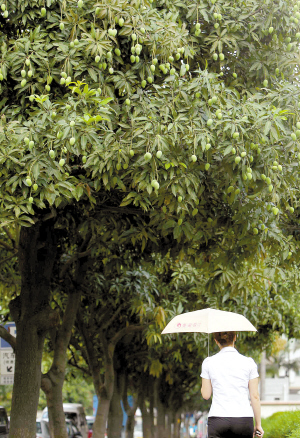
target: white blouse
<point>229,373</point>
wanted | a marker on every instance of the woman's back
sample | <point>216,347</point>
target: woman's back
<point>230,372</point>
<point>231,377</point>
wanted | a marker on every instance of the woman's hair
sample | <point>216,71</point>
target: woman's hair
<point>224,338</point>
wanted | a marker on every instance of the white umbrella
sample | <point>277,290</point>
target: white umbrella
<point>209,321</point>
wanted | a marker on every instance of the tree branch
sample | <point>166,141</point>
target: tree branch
<point>74,342</point>
<point>4,334</point>
<point>72,361</point>
<point>74,364</point>
<point>128,211</point>
<point>6,245</point>
<point>9,235</point>
<point>88,338</point>
<point>92,360</point>
<point>8,258</point>
<point>46,319</point>
<point>125,331</point>
<point>128,409</point>
<point>50,215</point>
<point>71,260</point>
<point>137,355</point>
<point>112,319</point>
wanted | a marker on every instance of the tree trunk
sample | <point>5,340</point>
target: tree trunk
<point>104,389</point>
<point>130,410</point>
<point>115,417</point>
<point>169,424</point>
<point>146,417</point>
<point>52,382</point>
<point>27,381</point>
<point>161,421</point>
<point>53,391</point>
<point>186,426</point>
<point>161,414</point>
<point>99,427</point>
<point>177,425</point>
<point>33,317</point>
<point>151,400</point>
<point>130,425</point>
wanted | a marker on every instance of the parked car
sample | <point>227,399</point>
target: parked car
<point>72,430</point>
<point>90,419</point>
<point>3,423</point>
<point>75,413</point>
<point>42,429</point>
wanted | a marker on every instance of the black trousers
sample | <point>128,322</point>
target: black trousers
<point>230,427</point>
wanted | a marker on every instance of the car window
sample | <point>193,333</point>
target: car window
<point>3,417</point>
<point>3,420</point>
<point>71,416</point>
<point>38,427</point>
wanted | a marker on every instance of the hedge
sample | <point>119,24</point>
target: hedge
<point>282,425</point>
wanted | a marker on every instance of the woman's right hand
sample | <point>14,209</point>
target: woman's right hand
<point>258,432</point>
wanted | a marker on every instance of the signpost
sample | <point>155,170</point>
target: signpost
<point>7,358</point>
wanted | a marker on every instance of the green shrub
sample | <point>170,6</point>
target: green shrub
<point>296,432</point>
<point>282,425</point>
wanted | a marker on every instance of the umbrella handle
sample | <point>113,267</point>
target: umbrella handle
<point>208,343</point>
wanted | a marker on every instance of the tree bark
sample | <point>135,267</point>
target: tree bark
<point>151,400</point>
<point>33,317</point>
<point>104,387</point>
<point>186,425</point>
<point>146,418</point>
<point>161,414</point>
<point>169,423</point>
<point>99,427</point>
<point>52,382</point>
<point>130,410</point>
<point>177,425</point>
<point>53,391</point>
<point>130,425</point>
<point>161,420</point>
<point>115,417</point>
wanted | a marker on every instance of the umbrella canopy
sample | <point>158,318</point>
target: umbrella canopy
<point>209,321</point>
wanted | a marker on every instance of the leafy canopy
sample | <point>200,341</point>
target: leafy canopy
<point>202,128</point>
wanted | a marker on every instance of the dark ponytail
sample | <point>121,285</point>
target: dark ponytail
<point>224,338</point>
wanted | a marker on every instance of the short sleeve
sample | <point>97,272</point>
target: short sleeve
<point>205,371</point>
<point>253,372</point>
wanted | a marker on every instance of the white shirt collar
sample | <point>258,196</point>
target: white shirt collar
<point>228,349</point>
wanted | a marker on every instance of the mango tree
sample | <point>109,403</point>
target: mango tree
<point>114,309</point>
<point>201,145</point>
<point>29,141</point>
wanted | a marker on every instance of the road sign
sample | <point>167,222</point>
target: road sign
<point>7,363</point>
<point>7,357</point>
<point>6,380</point>
<point>11,328</point>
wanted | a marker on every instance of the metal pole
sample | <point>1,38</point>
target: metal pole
<point>208,342</point>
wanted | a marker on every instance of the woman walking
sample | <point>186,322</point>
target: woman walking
<point>230,377</point>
